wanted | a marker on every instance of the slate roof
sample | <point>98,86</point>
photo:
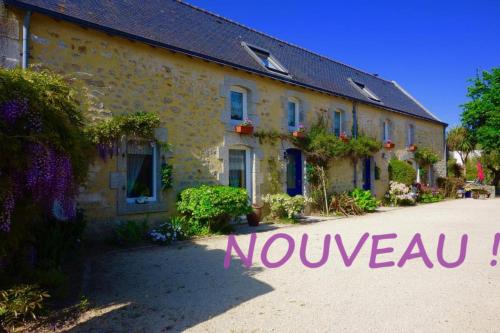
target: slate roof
<point>191,30</point>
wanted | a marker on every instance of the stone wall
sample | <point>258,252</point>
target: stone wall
<point>117,76</point>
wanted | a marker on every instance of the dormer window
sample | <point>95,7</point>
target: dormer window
<point>365,91</point>
<point>265,59</point>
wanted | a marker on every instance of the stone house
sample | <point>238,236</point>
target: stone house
<point>204,74</point>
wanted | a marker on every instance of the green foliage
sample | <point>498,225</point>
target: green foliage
<point>430,198</point>
<point>20,303</point>
<point>426,156</point>
<point>364,200</point>
<point>458,139</point>
<point>284,206</point>
<point>213,206</point>
<point>49,97</point>
<point>166,176</point>
<point>130,232</point>
<point>401,172</point>
<point>481,115</point>
<point>109,131</point>
<point>454,168</point>
<point>362,146</point>
<point>320,144</point>
<point>270,136</point>
<point>491,164</point>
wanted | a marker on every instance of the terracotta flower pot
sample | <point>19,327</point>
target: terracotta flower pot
<point>255,216</point>
<point>412,148</point>
<point>389,145</point>
<point>243,129</point>
<point>344,139</point>
<point>298,134</point>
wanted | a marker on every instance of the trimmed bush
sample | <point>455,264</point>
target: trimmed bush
<point>401,172</point>
<point>213,206</point>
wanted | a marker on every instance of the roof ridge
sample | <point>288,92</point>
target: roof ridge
<point>277,39</point>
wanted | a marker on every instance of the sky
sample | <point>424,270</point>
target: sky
<point>431,48</point>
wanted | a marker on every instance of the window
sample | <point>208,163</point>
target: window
<point>238,98</point>
<point>141,172</point>
<point>265,58</point>
<point>239,169</point>
<point>337,123</point>
<point>386,131</point>
<point>367,92</point>
<point>411,135</point>
<point>293,114</point>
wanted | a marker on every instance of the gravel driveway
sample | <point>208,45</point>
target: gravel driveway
<point>186,287</point>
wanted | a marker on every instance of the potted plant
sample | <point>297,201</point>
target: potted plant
<point>344,137</point>
<point>412,147</point>
<point>246,127</point>
<point>143,193</point>
<point>255,216</point>
<point>389,144</point>
<point>300,132</point>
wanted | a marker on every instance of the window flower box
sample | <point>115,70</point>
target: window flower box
<point>412,148</point>
<point>245,127</point>
<point>300,132</point>
<point>389,144</point>
<point>344,137</point>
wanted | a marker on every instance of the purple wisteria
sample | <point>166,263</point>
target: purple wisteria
<point>48,179</point>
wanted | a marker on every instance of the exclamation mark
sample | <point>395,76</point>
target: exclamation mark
<point>496,242</point>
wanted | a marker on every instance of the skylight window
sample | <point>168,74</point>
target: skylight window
<point>265,58</point>
<point>367,92</point>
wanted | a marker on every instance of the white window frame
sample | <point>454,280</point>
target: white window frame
<point>297,114</point>
<point>248,168</point>
<point>387,132</point>
<point>410,135</point>
<point>333,123</point>
<point>155,179</point>
<point>244,92</point>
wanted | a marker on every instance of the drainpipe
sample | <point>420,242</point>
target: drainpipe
<point>26,32</point>
<point>445,152</point>
<point>355,135</point>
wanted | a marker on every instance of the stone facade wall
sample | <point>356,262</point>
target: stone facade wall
<point>117,76</point>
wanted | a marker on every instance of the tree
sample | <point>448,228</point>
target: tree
<point>481,116</point>
<point>459,140</point>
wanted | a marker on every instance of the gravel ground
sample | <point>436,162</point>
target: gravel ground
<point>186,287</point>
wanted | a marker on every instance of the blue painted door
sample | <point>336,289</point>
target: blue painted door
<point>294,172</point>
<point>367,177</point>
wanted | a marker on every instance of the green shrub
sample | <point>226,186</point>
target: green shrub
<point>213,206</point>
<point>20,303</point>
<point>401,172</point>
<point>365,200</point>
<point>426,156</point>
<point>130,232</point>
<point>429,197</point>
<point>284,206</point>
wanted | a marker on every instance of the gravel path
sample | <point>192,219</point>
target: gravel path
<point>186,287</point>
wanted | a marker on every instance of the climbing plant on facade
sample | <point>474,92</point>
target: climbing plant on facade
<point>45,154</point>
<point>107,134</point>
